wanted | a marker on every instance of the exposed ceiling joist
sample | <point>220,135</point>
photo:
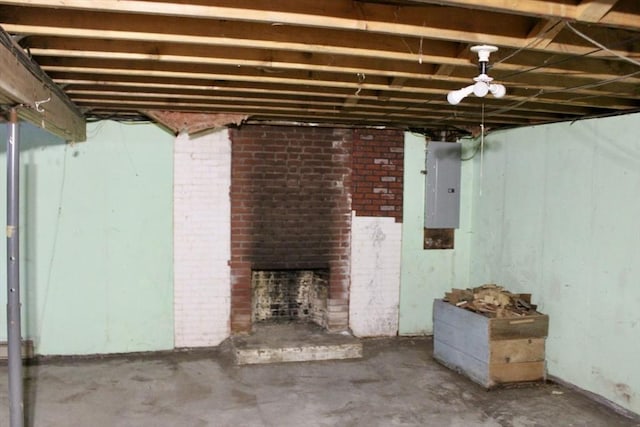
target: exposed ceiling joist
<point>434,22</point>
<point>593,10</point>
<point>445,57</point>
<point>329,16</point>
<point>330,80</point>
<point>378,62</point>
<point>544,32</point>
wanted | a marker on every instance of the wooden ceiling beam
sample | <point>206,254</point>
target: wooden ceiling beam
<point>545,32</point>
<point>39,101</point>
<point>228,76</point>
<point>365,119</point>
<point>554,104</point>
<point>593,10</point>
<point>283,60</point>
<point>290,111</point>
<point>343,60</point>
<point>446,69</point>
<point>547,83</point>
<point>402,100</point>
<point>623,18</point>
<point>349,102</point>
<point>367,49</point>
<point>337,14</point>
<point>346,65</point>
<point>438,23</point>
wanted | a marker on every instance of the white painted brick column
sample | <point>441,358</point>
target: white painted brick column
<point>202,248</point>
<point>375,276</point>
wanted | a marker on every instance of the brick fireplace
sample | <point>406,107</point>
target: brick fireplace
<point>268,198</point>
<point>293,191</point>
<point>284,296</point>
<point>290,210</point>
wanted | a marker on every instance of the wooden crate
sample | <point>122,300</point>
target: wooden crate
<point>489,351</point>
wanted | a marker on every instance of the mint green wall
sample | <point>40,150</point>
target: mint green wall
<point>427,274</point>
<point>559,216</point>
<point>96,240</point>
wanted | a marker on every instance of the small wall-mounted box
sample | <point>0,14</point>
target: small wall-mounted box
<point>490,351</point>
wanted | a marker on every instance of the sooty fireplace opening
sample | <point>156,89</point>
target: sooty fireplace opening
<point>290,295</point>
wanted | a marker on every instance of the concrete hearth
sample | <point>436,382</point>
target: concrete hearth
<point>293,342</point>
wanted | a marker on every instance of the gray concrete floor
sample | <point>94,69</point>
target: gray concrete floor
<point>397,383</point>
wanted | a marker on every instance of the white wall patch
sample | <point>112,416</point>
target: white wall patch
<point>375,276</point>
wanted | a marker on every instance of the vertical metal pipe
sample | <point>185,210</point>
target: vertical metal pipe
<point>16,409</point>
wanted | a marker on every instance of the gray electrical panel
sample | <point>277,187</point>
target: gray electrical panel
<point>442,198</point>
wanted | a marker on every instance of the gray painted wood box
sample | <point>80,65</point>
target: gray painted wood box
<point>489,351</point>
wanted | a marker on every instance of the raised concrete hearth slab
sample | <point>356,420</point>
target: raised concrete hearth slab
<point>293,342</point>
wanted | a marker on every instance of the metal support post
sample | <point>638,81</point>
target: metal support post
<point>16,407</point>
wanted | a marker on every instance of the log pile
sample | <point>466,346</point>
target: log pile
<point>492,301</point>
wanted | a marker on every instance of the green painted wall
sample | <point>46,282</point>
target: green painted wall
<point>427,274</point>
<point>96,240</point>
<point>559,216</point>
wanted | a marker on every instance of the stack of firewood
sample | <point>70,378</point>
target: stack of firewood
<point>492,301</point>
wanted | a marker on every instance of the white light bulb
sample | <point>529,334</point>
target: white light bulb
<point>498,90</point>
<point>480,89</point>
<point>455,96</point>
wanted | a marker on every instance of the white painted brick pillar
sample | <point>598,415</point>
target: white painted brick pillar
<point>202,248</point>
<point>375,276</point>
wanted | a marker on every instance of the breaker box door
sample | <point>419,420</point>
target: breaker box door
<point>442,198</point>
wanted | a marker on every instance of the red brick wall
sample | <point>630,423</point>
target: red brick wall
<point>290,209</point>
<point>292,192</point>
<point>378,157</point>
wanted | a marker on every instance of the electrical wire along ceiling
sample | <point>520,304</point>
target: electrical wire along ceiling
<point>365,63</point>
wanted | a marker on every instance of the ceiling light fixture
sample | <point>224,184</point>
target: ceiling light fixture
<point>483,83</point>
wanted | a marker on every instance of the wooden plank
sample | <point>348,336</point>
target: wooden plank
<point>593,10</point>
<point>441,53</point>
<point>446,68</point>
<point>522,327</point>
<point>438,85</point>
<point>587,10</point>
<point>517,351</point>
<point>557,106</point>
<point>462,362</point>
<point>469,340</point>
<point>347,65</point>
<point>350,101</point>
<point>428,22</point>
<point>461,342</point>
<point>552,9</point>
<point>622,19</point>
<point>464,320</point>
<point>44,104</point>
<point>321,45</point>
<point>500,373</point>
<point>529,7</point>
<point>462,330</point>
<point>399,81</point>
<point>544,32</point>
<point>533,110</point>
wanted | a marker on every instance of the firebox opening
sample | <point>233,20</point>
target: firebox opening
<point>290,295</point>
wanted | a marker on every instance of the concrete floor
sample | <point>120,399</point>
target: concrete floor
<point>396,383</point>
